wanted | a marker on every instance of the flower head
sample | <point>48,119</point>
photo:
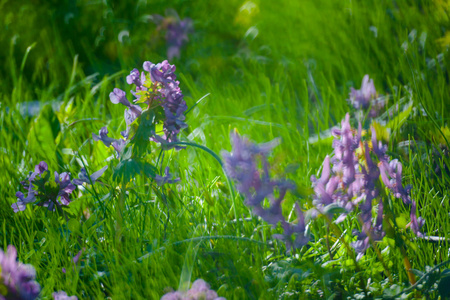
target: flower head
<point>18,278</point>
<point>366,97</point>
<point>177,31</point>
<point>167,178</point>
<point>241,165</point>
<point>61,295</point>
<point>353,183</point>
<point>200,290</point>
<point>83,176</point>
<point>118,144</point>
<point>158,90</point>
<point>47,193</point>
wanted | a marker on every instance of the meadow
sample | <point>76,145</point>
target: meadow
<point>236,149</point>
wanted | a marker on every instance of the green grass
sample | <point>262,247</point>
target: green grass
<point>290,81</point>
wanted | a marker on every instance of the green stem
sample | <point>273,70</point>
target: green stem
<point>338,232</point>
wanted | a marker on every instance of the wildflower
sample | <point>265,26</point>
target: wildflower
<point>177,31</point>
<point>366,97</point>
<point>170,96</point>
<point>160,180</point>
<point>369,231</point>
<point>28,185</point>
<point>353,183</point>
<point>17,280</point>
<point>256,186</point>
<point>85,178</point>
<point>61,295</point>
<point>340,185</point>
<point>160,92</point>
<point>200,290</point>
<point>133,111</point>
<point>46,192</point>
<point>118,144</point>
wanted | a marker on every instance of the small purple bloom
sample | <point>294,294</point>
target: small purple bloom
<point>158,89</point>
<point>160,180</point>
<point>45,192</point>
<point>366,97</point>
<point>103,136</point>
<point>41,167</point>
<point>134,78</point>
<point>133,111</point>
<point>61,295</point>
<point>18,278</point>
<point>200,290</point>
<point>177,31</point>
<point>118,144</point>
<point>83,176</point>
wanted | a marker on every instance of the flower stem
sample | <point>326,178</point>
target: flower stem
<point>338,232</point>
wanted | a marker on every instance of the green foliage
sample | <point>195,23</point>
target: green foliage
<point>42,137</point>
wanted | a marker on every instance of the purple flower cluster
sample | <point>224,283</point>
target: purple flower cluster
<point>241,165</point>
<point>366,98</point>
<point>17,280</point>
<point>200,290</point>
<point>165,89</point>
<point>177,31</point>
<point>354,182</point>
<point>40,188</point>
<point>157,89</point>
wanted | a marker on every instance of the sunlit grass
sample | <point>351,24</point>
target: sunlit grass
<point>280,70</point>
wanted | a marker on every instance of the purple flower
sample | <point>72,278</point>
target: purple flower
<point>171,99</point>
<point>75,260</point>
<point>369,230</point>
<point>83,176</point>
<point>44,191</point>
<point>160,91</point>
<point>177,31</point>
<point>20,205</point>
<point>344,145</point>
<point>118,144</point>
<point>133,111</point>
<point>18,278</point>
<point>103,136</point>
<point>353,182</point>
<point>341,185</point>
<point>160,180</point>
<point>241,165</point>
<point>41,168</point>
<point>200,290</point>
<point>135,78</point>
<point>416,223</point>
<point>366,97</point>
<point>61,295</point>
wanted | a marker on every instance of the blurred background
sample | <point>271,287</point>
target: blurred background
<point>335,41</point>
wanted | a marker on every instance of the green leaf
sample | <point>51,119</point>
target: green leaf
<point>444,284</point>
<point>141,139</point>
<point>126,170</point>
<point>43,134</point>
<point>401,118</point>
<point>74,225</point>
<point>401,221</point>
<point>333,208</point>
<point>148,169</point>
